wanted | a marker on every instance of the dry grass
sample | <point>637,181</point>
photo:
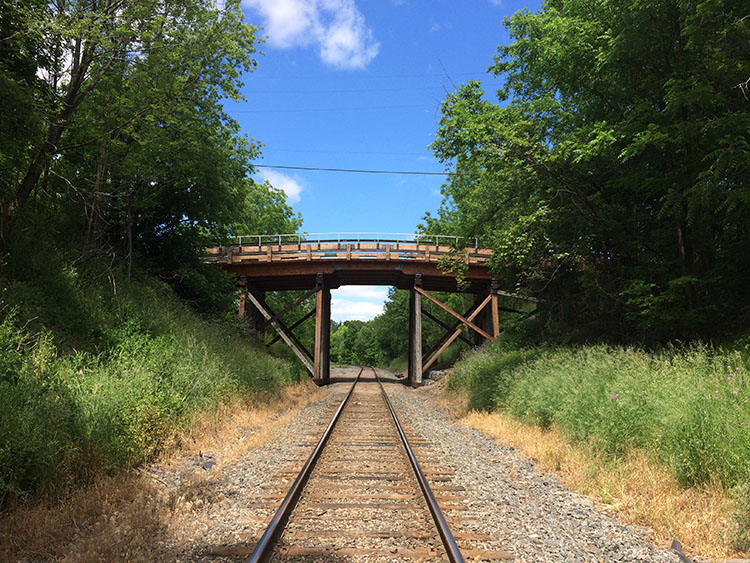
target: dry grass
<point>636,490</point>
<point>234,429</point>
<point>120,517</point>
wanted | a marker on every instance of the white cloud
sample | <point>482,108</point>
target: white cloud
<point>372,293</point>
<point>290,186</point>
<point>336,27</point>
<point>496,2</point>
<point>357,302</point>
<point>345,310</point>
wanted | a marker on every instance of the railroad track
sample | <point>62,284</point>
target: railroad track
<point>362,494</point>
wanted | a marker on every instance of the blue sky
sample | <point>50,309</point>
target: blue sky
<point>357,84</point>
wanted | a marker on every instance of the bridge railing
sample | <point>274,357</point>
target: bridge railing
<point>348,246</point>
<point>349,238</point>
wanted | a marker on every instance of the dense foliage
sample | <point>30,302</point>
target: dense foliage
<point>115,139</point>
<point>118,165</point>
<point>114,380</point>
<point>616,162</point>
<point>688,406</point>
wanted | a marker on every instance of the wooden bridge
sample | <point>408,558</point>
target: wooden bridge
<point>317,263</point>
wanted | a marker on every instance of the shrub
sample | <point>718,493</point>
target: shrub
<point>143,367</point>
<point>688,406</point>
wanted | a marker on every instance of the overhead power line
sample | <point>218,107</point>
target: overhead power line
<point>318,110</point>
<point>358,171</point>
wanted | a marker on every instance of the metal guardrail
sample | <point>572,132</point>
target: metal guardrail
<point>353,238</point>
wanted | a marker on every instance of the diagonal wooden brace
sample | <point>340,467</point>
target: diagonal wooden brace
<point>288,308</point>
<point>449,328</point>
<point>455,335</point>
<point>281,332</point>
<point>449,331</point>
<point>291,328</point>
<point>464,320</point>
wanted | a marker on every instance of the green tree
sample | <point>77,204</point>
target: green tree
<point>125,150</point>
<point>123,79</point>
<point>616,162</point>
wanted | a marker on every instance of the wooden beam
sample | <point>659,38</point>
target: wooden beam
<point>439,342</point>
<point>294,339</point>
<point>242,305</point>
<point>521,297</point>
<point>415,338</point>
<point>288,308</point>
<point>495,316</point>
<point>445,326</point>
<point>281,332</point>
<point>291,328</point>
<point>455,334</point>
<point>243,283</point>
<point>461,318</point>
<point>322,366</point>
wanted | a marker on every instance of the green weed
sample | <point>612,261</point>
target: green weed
<point>686,406</point>
<point>112,393</point>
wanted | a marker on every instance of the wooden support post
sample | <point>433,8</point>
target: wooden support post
<point>243,283</point>
<point>415,334</point>
<point>257,320</point>
<point>322,364</point>
<point>484,320</point>
<point>495,310</point>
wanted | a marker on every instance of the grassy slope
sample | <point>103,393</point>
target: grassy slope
<point>687,408</point>
<point>97,374</point>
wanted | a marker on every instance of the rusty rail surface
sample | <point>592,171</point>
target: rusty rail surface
<point>347,246</point>
<point>265,547</point>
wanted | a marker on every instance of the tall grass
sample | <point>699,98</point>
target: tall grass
<point>109,387</point>
<point>687,406</point>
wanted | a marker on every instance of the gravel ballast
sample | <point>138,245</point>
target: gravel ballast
<point>529,514</point>
<point>536,518</point>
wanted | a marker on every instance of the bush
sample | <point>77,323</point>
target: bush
<point>113,394</point>
<point>688,406</point>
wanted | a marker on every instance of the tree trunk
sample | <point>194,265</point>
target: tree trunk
<point>72,100</point>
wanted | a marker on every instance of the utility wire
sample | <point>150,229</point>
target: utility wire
<point>318,110</point>
<point>359,171</point>
<point>347,90</point>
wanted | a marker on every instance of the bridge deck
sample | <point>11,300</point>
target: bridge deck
<point>284,265</point>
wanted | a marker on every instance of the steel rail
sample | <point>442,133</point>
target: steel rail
<point>264,548</point>
<point>454,554</point>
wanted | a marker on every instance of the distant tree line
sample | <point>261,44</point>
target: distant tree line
<point>380,341</point>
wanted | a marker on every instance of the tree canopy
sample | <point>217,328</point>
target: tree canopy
<point>114,135</point>
<point>616,162</point>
